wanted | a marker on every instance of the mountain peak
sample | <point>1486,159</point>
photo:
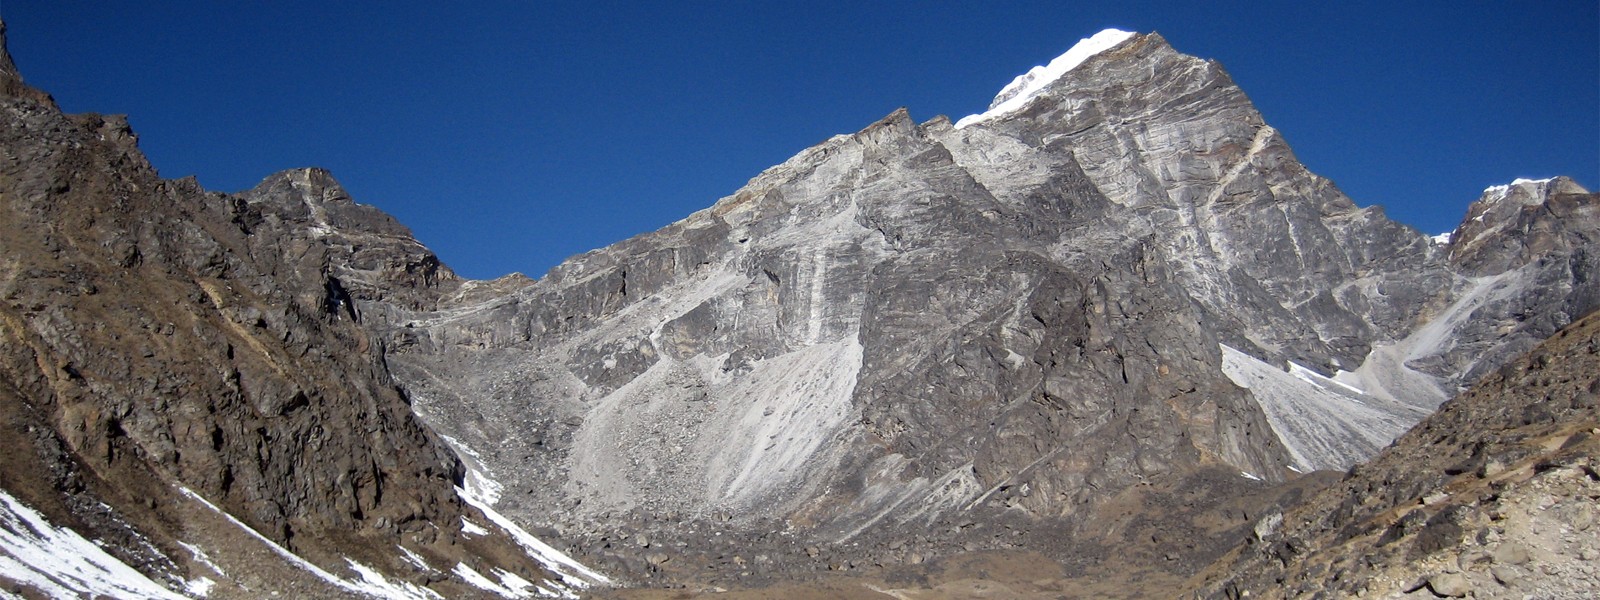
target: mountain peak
<point>8,69</point>
<point>11,84</point>
<point>1532,191</point>
<point>1500,192</point>
<point>1027,85</point>
<point>1514,223</point>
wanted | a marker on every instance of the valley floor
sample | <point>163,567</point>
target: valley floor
<point>1001,574</point>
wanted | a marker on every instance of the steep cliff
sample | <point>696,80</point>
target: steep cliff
<point>1023,315</point>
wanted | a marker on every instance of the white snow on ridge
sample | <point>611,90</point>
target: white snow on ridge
<point>1022,89</point>
<point>1501,191</point>
<point>482,491</point>
<point>1314,378</point>
<point>59,563</point>
<point>479,483</point>
<point>469,528</point>
<point>572,572</point>
<point>1323,423</point>
<point>1442,239</point>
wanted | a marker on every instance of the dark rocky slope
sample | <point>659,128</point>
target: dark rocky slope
<point>165,344</point>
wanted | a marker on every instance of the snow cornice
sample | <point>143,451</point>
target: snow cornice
<point>1028,85</point>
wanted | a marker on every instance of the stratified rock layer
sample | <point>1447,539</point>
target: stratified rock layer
<point>918,327</point>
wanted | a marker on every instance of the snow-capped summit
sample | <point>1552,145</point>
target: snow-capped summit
<point>1535,187</point>
<point>1016,94</point>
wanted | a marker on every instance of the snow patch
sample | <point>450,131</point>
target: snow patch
<point>478,480</point>
<point>570,571</point>
<point>1442,239</point>
<point>414,560</point>
<point>1324,423</point>
<point>200,587</point>
<point>59,563</point>
<point>1500,192</point>
<point>509,586</point>
<point>477,580</point>
<point>470,528</point>
<point>1314,378</point>
<point>1028,85</point>
<point>375,584</point>
<point>201,557</point>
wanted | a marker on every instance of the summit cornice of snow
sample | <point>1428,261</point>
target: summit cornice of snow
<point>1535,187</point>
<point>1026,86</point>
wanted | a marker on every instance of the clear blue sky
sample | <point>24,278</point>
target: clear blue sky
<point>509,135</point>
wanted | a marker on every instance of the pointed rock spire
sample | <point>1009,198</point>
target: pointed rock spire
<point>11,85</point>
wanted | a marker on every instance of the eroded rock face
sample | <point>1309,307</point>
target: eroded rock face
<point>861,326</point>
<point>1527,249</point>
<point>1274,253</point>
<point>916,325</point>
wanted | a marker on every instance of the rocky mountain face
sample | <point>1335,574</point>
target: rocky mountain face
<point>1495,496</point>
<point>883,348</point>
<point>1105,322</point>
<point>188,380</point>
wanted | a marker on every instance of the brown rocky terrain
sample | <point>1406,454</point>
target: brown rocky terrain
<point>172,352</point>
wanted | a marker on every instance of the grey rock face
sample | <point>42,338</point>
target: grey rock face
<point>1284,262</point>
<point>1528,249</point>
<point>1026,314</point>
<point>859,326</point>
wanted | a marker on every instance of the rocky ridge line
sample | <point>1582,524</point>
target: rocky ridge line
<point>189,379</point>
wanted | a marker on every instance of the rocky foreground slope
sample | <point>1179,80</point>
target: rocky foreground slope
<point>1495,496</point>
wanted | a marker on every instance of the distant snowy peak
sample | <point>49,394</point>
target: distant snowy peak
<point>1028,85</point>
<point>1535,189</point>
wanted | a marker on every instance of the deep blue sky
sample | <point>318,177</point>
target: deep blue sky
<point>510,135</point>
